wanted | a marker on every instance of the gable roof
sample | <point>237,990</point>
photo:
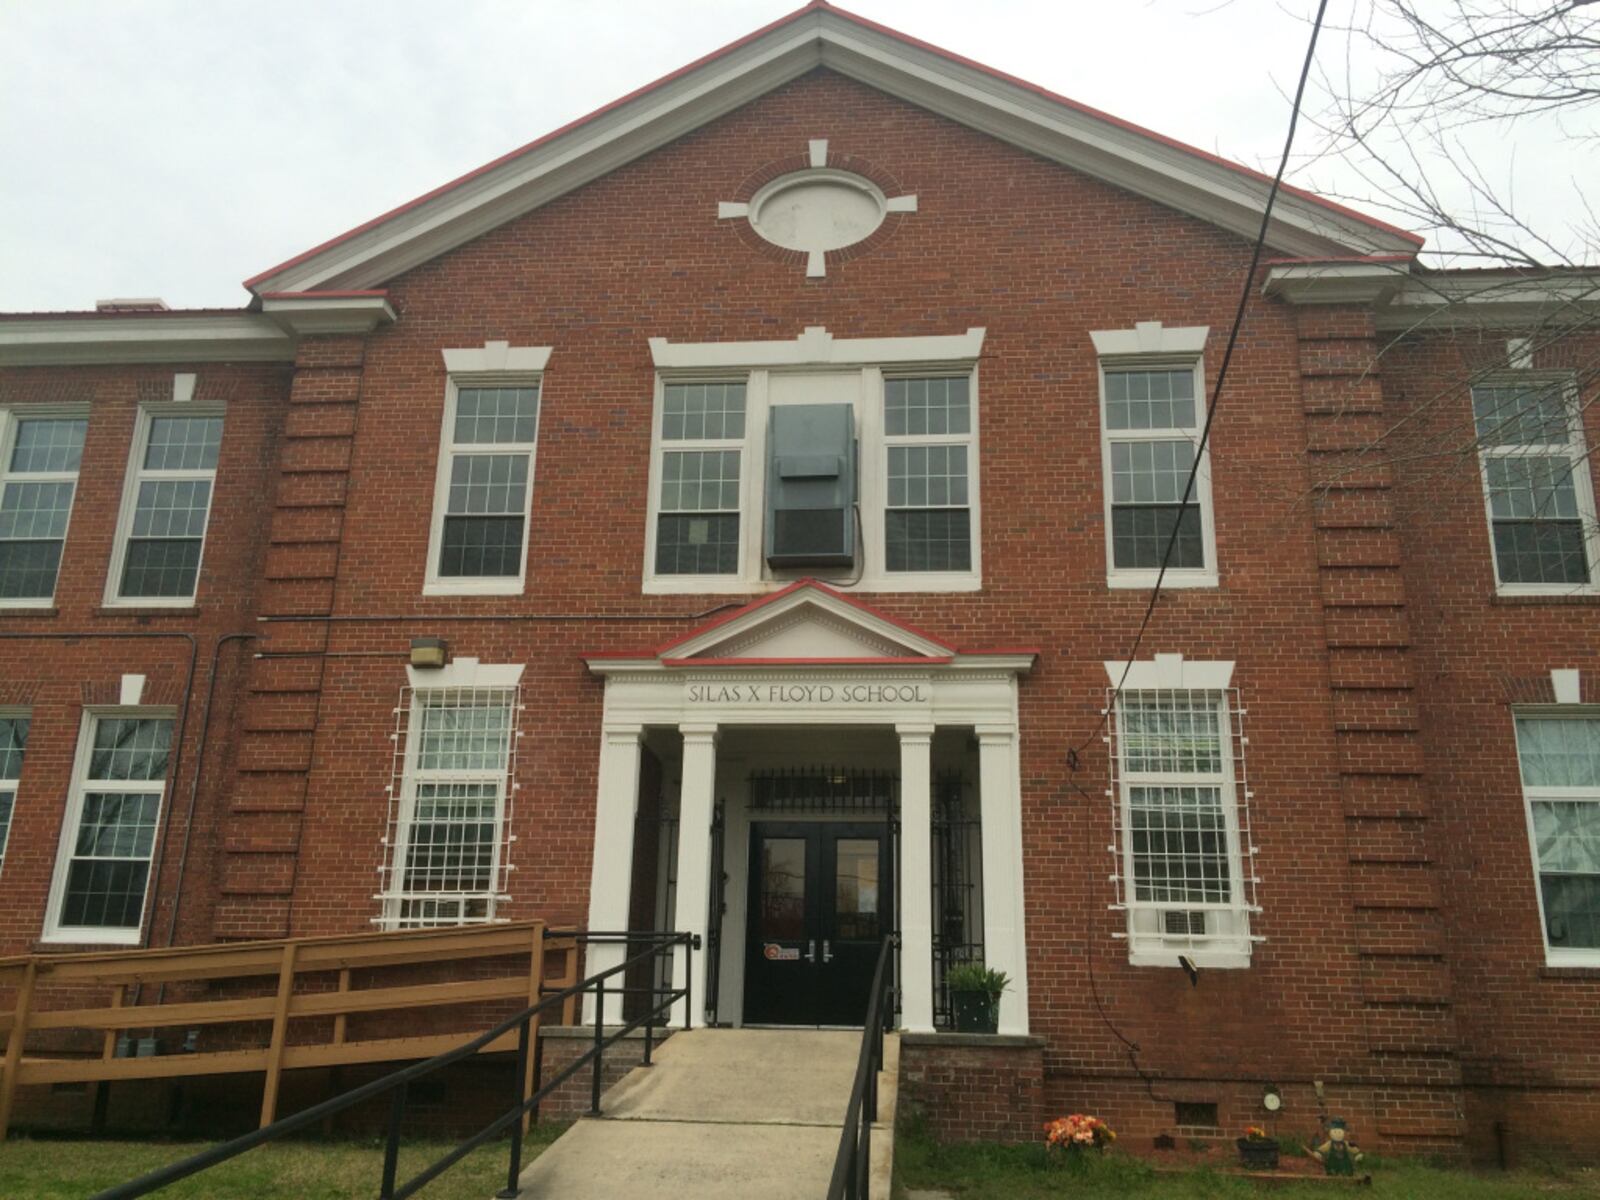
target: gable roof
<point>806,613</point>
<point>820,35</point>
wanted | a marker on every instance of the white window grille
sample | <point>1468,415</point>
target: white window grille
<point>39,459</point>
<point>1536,485</point>
<point>927,426</point>
<point>448,842</point>
<point>1184,860</point>
<point>166,507</point>
<point>1560,760</point>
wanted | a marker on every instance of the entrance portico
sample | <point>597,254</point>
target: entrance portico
<point>814,684</point>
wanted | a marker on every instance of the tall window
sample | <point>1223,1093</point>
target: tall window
<point>1151,428</point>
<point>166,509</point>
<point>485,489</point>
<point>13,741</point>
<point>1536,478</point>
<point>927,427</point>
<point>103,868</point>
<point>1181,868</point>
<point>1560,759</point>
<point>702,448</point>
<point>450,828</point>
<point>39,458</point>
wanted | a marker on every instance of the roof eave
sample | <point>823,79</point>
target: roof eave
<point>1178,176</point>
<point>128,338</point>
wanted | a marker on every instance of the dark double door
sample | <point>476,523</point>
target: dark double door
<point>820,904</point>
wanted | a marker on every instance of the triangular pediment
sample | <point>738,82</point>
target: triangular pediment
<point>820,36</point>
<point>808,622</point>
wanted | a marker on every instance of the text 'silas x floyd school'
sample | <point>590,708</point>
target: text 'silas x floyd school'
<point>734,513</point>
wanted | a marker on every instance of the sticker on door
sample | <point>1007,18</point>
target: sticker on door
<point>773,952</point>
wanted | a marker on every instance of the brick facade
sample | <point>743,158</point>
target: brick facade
<point>1402,968</point>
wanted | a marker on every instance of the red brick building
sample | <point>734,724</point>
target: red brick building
<point>783,456</point>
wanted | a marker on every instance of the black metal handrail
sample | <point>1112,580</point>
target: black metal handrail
<point>398,1082</point>
<point>852,1165</point>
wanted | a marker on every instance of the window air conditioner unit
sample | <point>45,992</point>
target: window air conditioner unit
<point>811,486</point>
<point>1179,923</point>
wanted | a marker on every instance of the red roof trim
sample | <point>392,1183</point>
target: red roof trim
<point>817,585</point>
<point>815,6</point>
<point>537,142</point>
<point>351,295</point>
<point>940,660</point>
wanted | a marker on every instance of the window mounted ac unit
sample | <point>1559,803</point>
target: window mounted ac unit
<point>811,486</point>
<point>1177,922</point>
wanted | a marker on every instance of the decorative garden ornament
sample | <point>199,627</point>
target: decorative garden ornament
<point>1337,1154</point>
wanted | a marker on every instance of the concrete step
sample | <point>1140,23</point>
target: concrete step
<point>722,1113</point>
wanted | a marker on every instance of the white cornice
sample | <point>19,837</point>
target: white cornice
<point>1440,301</point>
<point>207,337</point>
<point>816,347</point>
<point>302,315</point>
<point>1335,282</point>
<point>497,357</point>
<point>1173,175</point>
<point>1148,339</point>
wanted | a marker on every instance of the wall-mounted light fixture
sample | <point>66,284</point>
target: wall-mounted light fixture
<point>429,652</point>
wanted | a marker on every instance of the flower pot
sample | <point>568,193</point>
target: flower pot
<point>1259,1154</point>
<point>975,1012</point>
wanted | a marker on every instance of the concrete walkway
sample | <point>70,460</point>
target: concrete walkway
<point>747,1113</point>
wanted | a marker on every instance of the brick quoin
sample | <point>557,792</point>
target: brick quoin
<point>1402,971</point>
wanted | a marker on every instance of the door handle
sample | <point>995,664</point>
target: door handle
<point>811,950</point>
<point>827,951</point>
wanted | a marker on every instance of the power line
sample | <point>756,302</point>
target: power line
<point>1216,393</point>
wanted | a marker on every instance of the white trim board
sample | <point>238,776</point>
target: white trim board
<point>1177,176</point>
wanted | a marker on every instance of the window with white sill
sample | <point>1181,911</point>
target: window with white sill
<point>39,460</point>
<point>108,835</point>
<point>447,843</point>
<point>13,743</point>
<point>1184,859</point>
<point>910,475</point>
<point>1559,756</point>
<point>1536,481</point>
<point>166,507</point>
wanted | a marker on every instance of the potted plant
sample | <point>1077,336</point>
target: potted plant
<point>1067,1139</point>
<point>1258,1151</point>
<point>975,996</point>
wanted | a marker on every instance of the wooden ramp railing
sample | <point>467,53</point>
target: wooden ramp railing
<point>295,979</point>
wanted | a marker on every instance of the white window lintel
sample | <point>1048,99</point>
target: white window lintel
<point>1171,672</point>
<point>465,673</point>
<point>494,358</point>
<point>1151,339</point>
<point>817,347</point>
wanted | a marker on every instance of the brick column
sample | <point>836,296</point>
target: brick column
<point>282,694</point>
<point>1408,1024</point>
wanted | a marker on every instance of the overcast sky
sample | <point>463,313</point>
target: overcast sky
<point>175,147</point>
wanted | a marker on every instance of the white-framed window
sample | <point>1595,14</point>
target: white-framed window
<point>13,743</point>
<point>108,835</point>
<point>449,838</point>
<point>928,445</point>
<point>915,407</point>
<point>1559,757</point>
<point>40,453</point>
<point>1152,412</point>
<point>1536,482</point>
<point>484,493</point>
<point>1184,858</point>
<point>166,506</point>
<point>699,496</point>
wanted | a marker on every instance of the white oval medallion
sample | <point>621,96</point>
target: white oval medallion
<point>818,210</point>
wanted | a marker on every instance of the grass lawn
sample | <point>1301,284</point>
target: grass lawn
<point>1021,1173</point>
<point>70,1169</point>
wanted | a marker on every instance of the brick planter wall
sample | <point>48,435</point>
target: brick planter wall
<point>560,1046</point>
<point>972,1087</point>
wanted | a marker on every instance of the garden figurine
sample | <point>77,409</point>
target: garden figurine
<point>1337,1153</point>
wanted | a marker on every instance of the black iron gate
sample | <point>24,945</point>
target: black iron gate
<point>957,882</point>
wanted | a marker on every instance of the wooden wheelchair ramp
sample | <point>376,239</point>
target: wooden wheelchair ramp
<point>270,1006</point>
<point>721,1113</point>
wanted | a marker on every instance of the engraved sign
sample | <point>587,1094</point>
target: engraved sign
<point>808,695</point>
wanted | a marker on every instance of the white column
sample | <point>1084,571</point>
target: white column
<point>696,806</point>
<point>916,879</point>
<point>1000,809</point>
<point>611,877</point>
